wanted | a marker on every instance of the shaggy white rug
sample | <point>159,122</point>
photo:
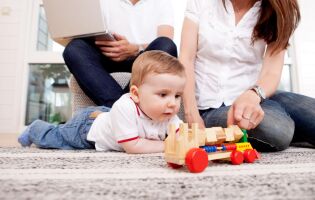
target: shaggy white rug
<point>30,173</point>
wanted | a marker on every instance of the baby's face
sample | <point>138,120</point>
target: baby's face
<point>160,95</point>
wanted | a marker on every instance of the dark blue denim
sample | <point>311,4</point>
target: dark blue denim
<point>286,115</point>
<point>92,69</point>
<point>71,135</point>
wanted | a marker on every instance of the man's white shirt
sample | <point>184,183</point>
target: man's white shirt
<point>139,22</point>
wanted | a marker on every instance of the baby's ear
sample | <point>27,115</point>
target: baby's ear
<point>134,93</point>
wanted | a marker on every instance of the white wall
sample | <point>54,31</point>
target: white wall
<point>304,43</point>
<point>15,18</point>
<point>12,49</point>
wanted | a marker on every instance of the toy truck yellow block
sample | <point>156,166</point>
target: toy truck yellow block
<point>243,146</point>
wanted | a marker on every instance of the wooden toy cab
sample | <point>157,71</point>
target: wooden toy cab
<point>194,147</point>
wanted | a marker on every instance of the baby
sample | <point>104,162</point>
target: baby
<point>137,122</point>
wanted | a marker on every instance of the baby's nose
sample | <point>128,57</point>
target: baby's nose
<point>172,102</point>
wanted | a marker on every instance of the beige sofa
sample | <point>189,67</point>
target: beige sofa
<point>80,100</point>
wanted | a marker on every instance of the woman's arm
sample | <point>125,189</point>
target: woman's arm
<point>188,50</point>
<point>165,31</point>
<point>246,111</point>
<point>141,145</point>
<point>270,74</point>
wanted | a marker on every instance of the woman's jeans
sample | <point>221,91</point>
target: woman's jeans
<point>286,115</point>
<point>71,135</point>
<point>92,69</point>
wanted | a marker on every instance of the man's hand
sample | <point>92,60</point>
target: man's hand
<point>118,50</point>
<point>246,111</point>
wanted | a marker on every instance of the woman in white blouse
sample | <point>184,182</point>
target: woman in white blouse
<point>233,52</point>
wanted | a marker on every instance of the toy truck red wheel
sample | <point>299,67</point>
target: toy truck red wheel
<point>237,157</point>
<point>250,155</point>
<point>196,160</point>
<point>174,166</point>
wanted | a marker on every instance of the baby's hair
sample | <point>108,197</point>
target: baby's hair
<point>157,62</point>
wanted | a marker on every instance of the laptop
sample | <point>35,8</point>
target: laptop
<point>69,19</point>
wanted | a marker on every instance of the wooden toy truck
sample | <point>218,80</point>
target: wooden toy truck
<point>194,147</point>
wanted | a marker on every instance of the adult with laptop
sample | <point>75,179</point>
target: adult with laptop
<point>136,26</point>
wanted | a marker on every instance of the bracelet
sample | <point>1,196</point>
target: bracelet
<point>259,91</point>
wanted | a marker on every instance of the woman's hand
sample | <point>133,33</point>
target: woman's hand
<point>194,117</point>
<point>246,111</point>
<point>118,50</point>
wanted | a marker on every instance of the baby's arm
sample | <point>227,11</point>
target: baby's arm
<point>141,145</point>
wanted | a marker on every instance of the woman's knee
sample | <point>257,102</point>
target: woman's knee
<point>273,138</point>
<point>275,132</point>
<point>164,44</point>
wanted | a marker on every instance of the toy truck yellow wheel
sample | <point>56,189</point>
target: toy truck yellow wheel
<point>174,166</point>
<point>237,157</point>
<point>196,160</point>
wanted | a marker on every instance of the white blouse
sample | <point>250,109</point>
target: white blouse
<point>227,64</point>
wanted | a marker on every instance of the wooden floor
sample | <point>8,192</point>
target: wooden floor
<point>9,140</point>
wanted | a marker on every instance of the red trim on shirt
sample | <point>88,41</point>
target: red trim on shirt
<point>177,130</point>
<point>138,112</point>
<point>127,140</point>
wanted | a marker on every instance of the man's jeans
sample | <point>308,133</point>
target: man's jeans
<point>92,69</point>
<point>71,135</point>
<point>286,115</point>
